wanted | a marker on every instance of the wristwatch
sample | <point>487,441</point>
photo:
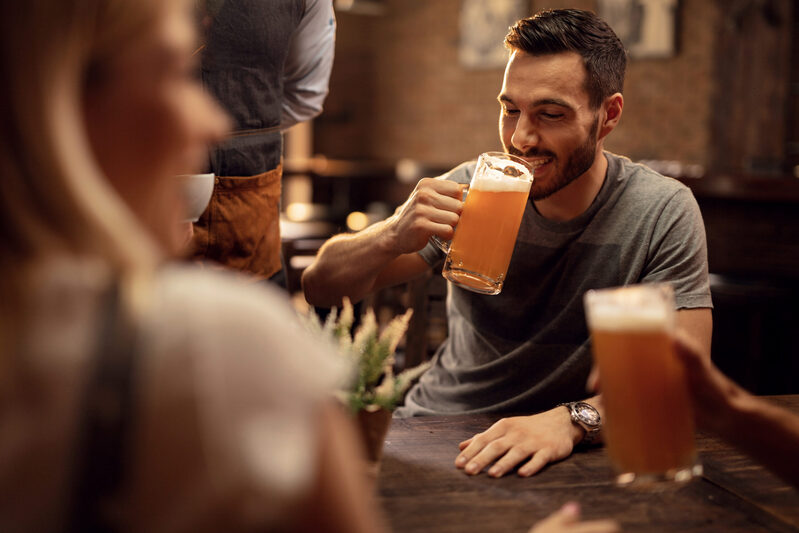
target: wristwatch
<point>587,417</point>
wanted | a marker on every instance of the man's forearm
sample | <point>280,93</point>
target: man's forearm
<point>384,253</point>
<point>348,265</point>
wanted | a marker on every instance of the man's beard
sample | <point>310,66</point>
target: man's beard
<point>577,163</point>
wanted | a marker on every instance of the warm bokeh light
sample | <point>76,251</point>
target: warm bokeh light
<point>299,211</point>
<point>356,221</point>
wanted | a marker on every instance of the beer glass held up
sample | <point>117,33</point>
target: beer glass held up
<point>648,422</point>
<point>480,252</point>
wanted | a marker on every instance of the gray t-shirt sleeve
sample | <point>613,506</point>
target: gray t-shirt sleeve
<point>678,252</point>
<point>431,253</point>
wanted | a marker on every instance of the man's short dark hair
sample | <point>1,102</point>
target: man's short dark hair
<point>573,30</point>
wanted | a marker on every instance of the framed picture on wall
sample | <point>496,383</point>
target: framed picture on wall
<point>483,26</point>
<point>648,28</point>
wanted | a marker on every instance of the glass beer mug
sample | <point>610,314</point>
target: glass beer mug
<point>649,425</point>
<point>480,251</point>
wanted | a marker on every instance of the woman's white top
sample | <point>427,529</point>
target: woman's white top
<point>228,388</point>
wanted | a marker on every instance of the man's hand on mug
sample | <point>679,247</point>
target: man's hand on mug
<point>542,438</point>
<point>433,208</point>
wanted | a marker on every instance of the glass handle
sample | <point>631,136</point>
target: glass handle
<point>442,245</point>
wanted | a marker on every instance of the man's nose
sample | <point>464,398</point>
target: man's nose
<point>525,136</point>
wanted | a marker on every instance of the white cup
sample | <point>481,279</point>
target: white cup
<point>196,190</point>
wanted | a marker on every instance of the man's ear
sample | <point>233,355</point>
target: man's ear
<point>611,114</point>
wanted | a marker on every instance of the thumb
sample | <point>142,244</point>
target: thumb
<point>570,512</point>
<point>566,515</point>
<point>592,384</point>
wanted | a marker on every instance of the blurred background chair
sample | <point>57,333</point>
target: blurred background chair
<point>427,297</point>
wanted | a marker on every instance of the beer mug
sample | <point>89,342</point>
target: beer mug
<point>648,423</point>
<point>480,251</point>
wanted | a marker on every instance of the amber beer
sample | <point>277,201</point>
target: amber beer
<point>648,422</point>
<point>484,239</point>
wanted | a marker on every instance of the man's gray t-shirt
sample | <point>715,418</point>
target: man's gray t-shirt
<point>527,349</point>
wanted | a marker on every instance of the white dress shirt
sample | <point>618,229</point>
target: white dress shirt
<point>308,65</point>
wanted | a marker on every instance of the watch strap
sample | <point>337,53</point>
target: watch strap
<point>591,435</point>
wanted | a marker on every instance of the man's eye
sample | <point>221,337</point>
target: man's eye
<point>552,116</point>
<point>508,111</point>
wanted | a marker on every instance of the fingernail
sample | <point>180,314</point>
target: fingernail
<point>459,461</point>
<point>494,472</point>
<point>571,508</point>
<point>471,468</point>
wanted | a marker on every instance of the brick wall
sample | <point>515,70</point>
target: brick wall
<point>398,90</point>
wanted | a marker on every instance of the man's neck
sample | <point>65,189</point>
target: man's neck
<point>572,200</point>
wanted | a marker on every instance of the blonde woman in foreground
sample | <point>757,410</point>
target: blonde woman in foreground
<point>135,395</point>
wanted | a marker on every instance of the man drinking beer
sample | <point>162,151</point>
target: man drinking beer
<point>594,220</point>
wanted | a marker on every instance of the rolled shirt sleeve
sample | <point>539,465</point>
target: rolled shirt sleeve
<point>309,63</point>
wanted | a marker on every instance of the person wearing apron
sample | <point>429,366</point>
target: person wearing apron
<point>268,63</point>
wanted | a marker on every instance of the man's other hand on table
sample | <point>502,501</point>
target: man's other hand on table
<point>537,439</point>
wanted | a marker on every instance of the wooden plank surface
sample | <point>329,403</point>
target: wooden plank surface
<point>422,491</point>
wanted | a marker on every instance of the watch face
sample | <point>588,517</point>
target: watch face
<point>587,414</point>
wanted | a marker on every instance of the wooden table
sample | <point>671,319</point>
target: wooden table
<point>421,490</point>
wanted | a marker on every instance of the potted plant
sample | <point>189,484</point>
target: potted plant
<point>374,390</point>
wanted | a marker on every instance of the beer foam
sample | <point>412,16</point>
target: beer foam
<point>494,180</point>
<point>614,317</point>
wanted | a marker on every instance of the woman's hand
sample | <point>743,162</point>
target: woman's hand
<point>567,520</point>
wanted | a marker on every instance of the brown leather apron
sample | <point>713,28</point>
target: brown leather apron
<point>240,228</point>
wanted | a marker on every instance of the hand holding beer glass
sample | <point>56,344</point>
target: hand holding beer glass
<point>648,426</point>
<point>480,252</point>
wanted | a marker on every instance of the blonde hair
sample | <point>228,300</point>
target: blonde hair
<point>53,197</point>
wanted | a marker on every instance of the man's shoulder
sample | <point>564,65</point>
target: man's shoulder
<point>642,182</point>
